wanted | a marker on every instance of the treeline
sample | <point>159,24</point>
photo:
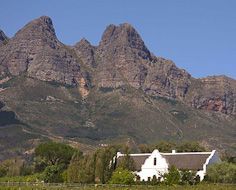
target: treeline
<point>165,146</point>
<point>57,162</point>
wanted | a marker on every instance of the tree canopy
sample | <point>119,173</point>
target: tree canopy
<point>166,146</point>
<point>55,153</point>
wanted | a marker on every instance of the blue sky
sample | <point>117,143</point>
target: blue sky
<point>198,35</point>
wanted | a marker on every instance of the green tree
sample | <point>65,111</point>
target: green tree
<point>104,163</point>
<point>190,147</point>
<point>122,176</point>
<point>53,174</point>
<point>172,177</point>
<point>127,162</point>
<point>222,173</point>
<point>39,164</point>
<point>144,148</point>
<point>55,153</point>
<point>81,169</point>
<point>86,175</point>
<point>11,167</point>
<point>164,146</point>
<point>26,169</point>
<point>74,167</point>
<point>3,171</point>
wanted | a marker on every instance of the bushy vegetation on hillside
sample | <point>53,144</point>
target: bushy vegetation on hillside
<point>165,146</point>
<point>53,110</point>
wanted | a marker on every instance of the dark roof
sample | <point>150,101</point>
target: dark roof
<point>192,161</point>
<point>138,161</point>
<point>187,161</point>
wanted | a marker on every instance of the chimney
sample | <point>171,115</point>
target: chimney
<point>173,151</point>
<point>118,154</point>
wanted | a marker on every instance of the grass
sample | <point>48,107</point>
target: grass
<point>113,187</point>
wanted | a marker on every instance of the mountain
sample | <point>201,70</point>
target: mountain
<point>115,92</point>
<point>3,38</point>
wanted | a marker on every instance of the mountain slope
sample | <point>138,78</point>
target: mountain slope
<point>112,92</point>
<point>3,38</point>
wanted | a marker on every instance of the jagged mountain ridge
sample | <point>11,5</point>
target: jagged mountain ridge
<point>115,90</point>
<point>121,57</point>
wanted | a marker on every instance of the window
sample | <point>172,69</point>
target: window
<point>155,162</point>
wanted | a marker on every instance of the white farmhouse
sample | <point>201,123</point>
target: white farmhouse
<point>156,163</point>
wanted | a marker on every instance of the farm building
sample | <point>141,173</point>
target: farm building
<point>156,163</point>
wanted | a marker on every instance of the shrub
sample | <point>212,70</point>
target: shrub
<point>154,180</point>
<point>122,176</point>
<point>172,177</point>
<point>189,178</point>
<point>222,173</point>
<point>3,171</point>
<point>52,174</point>
<point>29,178</point>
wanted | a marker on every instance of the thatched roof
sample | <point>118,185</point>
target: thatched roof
<point>187,161</point>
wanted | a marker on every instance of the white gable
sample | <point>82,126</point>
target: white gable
<point>155,164</point>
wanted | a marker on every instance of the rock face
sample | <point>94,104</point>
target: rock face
<point>125,59</point>
<point>217,93</point>
<point>120,59</point>
<point>85,52</point>
<point>3,37</point>
<point>35,50</point>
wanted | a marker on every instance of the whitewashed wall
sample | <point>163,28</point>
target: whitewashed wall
<point>149,169</point>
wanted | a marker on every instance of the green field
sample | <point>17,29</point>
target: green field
<point>108,187</point>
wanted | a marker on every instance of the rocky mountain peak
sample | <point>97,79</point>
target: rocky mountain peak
<point>86,52</point>
<point>83,42</point>
<point>35,40</point>
<point>122,37</point>
<point>120,59</point>
<point>40,28</point>
<point>3,37</point>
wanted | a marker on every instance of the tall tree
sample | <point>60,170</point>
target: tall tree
<point>74,167</point>
<point>127,161</point>
<point>55,153</point>
<point>104,163</point>
<point>81,169</point>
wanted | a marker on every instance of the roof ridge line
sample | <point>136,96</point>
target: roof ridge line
<point>179,153</point>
